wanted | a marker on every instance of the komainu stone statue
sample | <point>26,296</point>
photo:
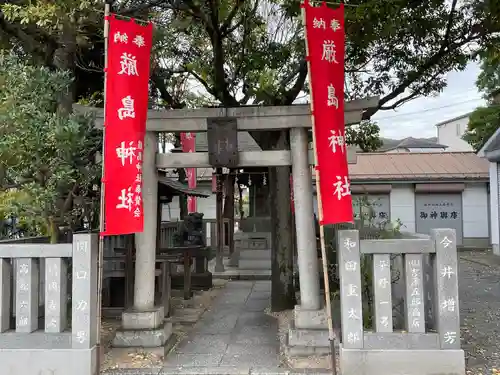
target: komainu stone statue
<point>190,232</point>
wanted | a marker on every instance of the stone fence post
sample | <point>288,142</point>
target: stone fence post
<point>84,302</point>
<point>447,318</point>
<point>350,289</point>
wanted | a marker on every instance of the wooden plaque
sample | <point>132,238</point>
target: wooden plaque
<point>222,136</point>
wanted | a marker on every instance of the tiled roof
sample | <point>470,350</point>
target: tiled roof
<point>419,166</point>
<point>407,166</point>
<point>182,188</point>
<point>410,142</point>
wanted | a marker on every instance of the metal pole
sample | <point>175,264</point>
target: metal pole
<point>324,260</point>
<point>100,268</point>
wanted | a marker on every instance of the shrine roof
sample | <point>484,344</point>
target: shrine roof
<point>419,166</point>
<point>182,188</point>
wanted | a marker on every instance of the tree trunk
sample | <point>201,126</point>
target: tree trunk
<point>64,59</point>
<point>283,291</point>
<point>53,231</point>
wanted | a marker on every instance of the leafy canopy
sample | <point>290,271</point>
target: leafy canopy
<point>47,157</point>
<point>485,120</point>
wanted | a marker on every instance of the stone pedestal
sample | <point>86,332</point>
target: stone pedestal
<point>147,329</point>
<point>308,333</point>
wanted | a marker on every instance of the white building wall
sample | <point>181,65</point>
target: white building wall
<point>402,202</point>
<point>475,211</point>
<point>494,215</point>
<point>450,134</point>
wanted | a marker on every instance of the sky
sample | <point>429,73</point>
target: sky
<point>418,117</point>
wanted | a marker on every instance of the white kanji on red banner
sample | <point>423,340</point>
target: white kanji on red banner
<point>128,64</point>
<point>342,187</point>
<point>127,110</point>
<point>126,152</point>
<point>337,141</point>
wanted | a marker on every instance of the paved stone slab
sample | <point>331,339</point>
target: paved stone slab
<point>204,344</point>
<point>258,338</point>
<point>233,337</point>
<point>214,326</point>
<point>214,370</point>
<point>256,319</point>
<point>133,371</point>
<point>257,304</point>
<point>250,360</point>
<point>194,360</point>
<point>256,350</point>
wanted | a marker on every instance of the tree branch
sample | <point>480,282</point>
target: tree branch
<point>159,84</point>
<point>141,8</point>
<point>448,26</point>
<point>415,75</point>
<point>227,23</point>
<point>290,95</point>
<point>243,19</point>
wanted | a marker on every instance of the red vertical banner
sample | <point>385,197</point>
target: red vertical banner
<point>188,142</point>
<point>126,106</point>
<point>326,47</point>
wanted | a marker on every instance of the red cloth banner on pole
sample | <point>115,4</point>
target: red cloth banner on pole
<point>126,109</point>
<point>188,142</point>
<point>326,47</point>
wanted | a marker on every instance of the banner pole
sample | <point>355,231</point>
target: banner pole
<point>324,259</point>
<point>100,260</point>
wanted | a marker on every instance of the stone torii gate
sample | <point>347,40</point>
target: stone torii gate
<point>145,323</point>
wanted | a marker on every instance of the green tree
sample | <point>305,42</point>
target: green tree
<point>252,52</point>
<point>485,120</point>
<point>47,157</point>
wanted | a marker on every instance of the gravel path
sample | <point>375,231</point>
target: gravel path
<point>480,311</point>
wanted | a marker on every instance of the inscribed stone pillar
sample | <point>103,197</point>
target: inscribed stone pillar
<point>350,288</point>
<point>447,317</point>
<point>145,242</point>
<point>56,294</point>
<point>27,283</point>
<point>5,294</point>
<point>84,298</point>
<point>304,221</point>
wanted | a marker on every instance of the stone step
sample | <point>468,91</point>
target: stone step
<point>237,274</point>
<point>255,254</point>
<point>254,264</point>
<point>307,351</point>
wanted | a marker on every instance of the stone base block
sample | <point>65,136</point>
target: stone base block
<point>48,361</point>
<point>496,249</point>
<point>309,319</point>
<point>150,338</point>
<point>306,351</point>
<point>398,362</point>
<point>137,320</point>
<point>308,337</point>
<point>234,258</point>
